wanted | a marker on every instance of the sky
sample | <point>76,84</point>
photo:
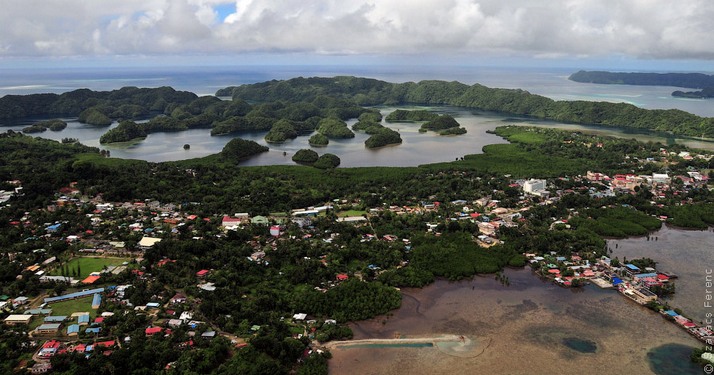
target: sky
<point>656,34</point>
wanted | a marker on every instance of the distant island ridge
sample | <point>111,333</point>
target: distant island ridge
<point>700,81</point>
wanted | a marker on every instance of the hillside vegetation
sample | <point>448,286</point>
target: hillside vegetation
<point>372,92</point>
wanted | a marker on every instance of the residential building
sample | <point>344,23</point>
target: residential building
<point>16,319</point>
<point>595,176</point>
<point>48,328</point>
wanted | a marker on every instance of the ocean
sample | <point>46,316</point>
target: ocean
<point>550,82</point>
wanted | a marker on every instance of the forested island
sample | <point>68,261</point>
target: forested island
<point>318,140</point>
<point>54,125</point>
<point>686,80</point>
<point>403,115</point>
<point>310,157</point>
<point>382,136</point>
<point>440,123</point>
<point>95,106</point>
<point>706,93</point>
<point>305,156</point>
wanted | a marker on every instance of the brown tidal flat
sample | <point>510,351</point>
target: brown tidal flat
<point>522,328</point>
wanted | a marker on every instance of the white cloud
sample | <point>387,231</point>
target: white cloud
<point>575,28</point>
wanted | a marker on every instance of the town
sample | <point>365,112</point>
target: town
<point>99,276</point>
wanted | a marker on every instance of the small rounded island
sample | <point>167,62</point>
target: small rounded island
<point>186,146</point>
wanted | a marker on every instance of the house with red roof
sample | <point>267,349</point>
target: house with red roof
<point>164,261</point>
<point>106,344</point>
<point>49,349</point>
<point>137,272</point>
<point>231,222</point>
<point>342,277</point>
<point>91,279</point>
<point>202,273</point>
<point>152,331</point>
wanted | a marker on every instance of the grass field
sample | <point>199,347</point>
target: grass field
<point>67,308</point>
<point>351,213</point>
<point>526,137</point>
<point>87,265</point>
<point>72,306</point>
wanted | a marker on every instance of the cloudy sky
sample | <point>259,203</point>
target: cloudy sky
<point>456,31</point>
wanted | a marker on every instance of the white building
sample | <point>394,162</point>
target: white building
<point>660,178</point>
<point>535,187</point>
<point>15,319</point>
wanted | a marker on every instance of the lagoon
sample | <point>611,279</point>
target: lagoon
<point>416,149</point>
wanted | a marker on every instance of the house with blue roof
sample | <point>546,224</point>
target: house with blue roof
<point>96,301</point>
<point>94,330</point>
<point>73,330</point>
<point>632,267</point>
<point>74,295</point>
<point>83,319</point>
<point>54,227</point>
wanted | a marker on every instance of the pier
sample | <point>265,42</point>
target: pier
<point>454,345</point>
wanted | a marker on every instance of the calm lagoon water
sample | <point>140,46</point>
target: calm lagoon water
<point>687,253</point>
<point>416,148</point>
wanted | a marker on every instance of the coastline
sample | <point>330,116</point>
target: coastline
<point>685,252</point>
<point>529,319</point>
